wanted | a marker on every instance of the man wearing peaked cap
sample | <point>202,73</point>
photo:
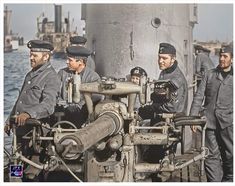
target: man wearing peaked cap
<point>81,41</point>
<point>198,47</point>
<point>169,71</point>
<point>71,77</point>
<point>136,74</point>
<point>202,62</point>
<point>37,98</point>
<point>216,92</point>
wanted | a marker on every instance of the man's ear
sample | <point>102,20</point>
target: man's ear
<point>46,57</point>
<point>173,60</point>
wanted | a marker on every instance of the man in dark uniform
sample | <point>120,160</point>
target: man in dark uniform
<point>217,89</point>
<point>81,41</point>
<point>76,73</point>
<point>203,63</point>
<point>170,71</point>
<point>136,74</point>
<point>38,94</point>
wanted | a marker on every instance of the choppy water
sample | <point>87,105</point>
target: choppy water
<point>16,66</point>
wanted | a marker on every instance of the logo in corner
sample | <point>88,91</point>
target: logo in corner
<point>16,171</point>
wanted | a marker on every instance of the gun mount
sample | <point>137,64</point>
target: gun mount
<point>107,148</point>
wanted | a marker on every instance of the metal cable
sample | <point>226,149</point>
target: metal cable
<point>70,170</point>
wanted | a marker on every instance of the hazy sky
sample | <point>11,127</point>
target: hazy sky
<point>215,21</point>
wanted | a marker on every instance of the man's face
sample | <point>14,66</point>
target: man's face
<point>135,79</point>
<point>75,64</point>
<point>38,59</point>
<point>165,61</point>
<point>225,60</point>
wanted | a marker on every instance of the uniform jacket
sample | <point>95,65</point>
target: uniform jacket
<point>39,93</point>
<point>181,95</point>
<point>203,63</point>
<point>218,95</point>
<point>91,63</point>
<point>87,76</point>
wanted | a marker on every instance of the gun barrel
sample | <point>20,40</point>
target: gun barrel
<point>107,124</point>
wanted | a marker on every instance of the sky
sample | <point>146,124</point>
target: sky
<point>215,21</point>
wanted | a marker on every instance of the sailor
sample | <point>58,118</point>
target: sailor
<point>77,72</point>
<point>203,63</point>
<point>40,89</point>
<point>170,71</point>
<point>38,94</point>
<point>216,88</point>
<point>81,41</point>
<point>136,74</point>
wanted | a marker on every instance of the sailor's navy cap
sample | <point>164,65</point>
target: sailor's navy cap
<point>138,71</point>
<point>198,47</point>
<point>78,40</point>
<point>226,49</point>
<point>166,48</point>
<point>77,51</point>
<point>206,50</point>
<point>40,46</point>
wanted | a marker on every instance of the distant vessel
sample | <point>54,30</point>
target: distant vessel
<point>11,41</point>
<point>57,32</point>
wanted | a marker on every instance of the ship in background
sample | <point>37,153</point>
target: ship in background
<point>11,40</point>
<point>56,32</point>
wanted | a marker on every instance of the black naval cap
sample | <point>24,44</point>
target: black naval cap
<point>138,71</point>
<point>78,40</point>
<point>206,50</point>
<point>40,46</point>
<point>77,51</point>
<point>198,47</point>
<point>226,49</point>
<point>166,48</point>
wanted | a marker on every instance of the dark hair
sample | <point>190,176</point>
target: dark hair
<point>84,59</point>
<point>49,54</point>
<point>172,55</point>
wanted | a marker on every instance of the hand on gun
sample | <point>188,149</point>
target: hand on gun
<point>21,118</point>
<point>7,129</point>
<point>194,128</point>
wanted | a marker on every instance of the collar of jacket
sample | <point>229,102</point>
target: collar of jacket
<point>73,72</point>
<point>172,68</point>
<point>220,70</point>
<point>41,68</point>
<point>83,70</point>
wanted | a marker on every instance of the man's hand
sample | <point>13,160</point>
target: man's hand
<point>7,129</point>
<point>20,119</point>
<point>194,128</point>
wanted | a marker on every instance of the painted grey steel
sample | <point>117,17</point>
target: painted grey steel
<point>88,136</point>
<point>111,152</point>
<point>150,138</point>
<point>123,36</point>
